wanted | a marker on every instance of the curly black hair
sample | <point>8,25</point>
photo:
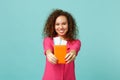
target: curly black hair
<point>49,29</point>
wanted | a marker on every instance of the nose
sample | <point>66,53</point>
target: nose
<point>61,26</point>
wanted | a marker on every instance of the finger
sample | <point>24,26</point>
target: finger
<point>68,57</point>
<point>68,61</point>
<point>71,59</point>
<point>52,58</point>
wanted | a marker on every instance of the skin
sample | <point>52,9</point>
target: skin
<point>61,28</point>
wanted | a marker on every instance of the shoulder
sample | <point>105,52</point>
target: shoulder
<point>75,41</point>
<point>48,39</point>
<point>74,45</point>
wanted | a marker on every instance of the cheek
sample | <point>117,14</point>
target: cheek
<point>66,28</point>
<point>55,27</point>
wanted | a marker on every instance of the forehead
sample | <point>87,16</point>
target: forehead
<point>61,18</point>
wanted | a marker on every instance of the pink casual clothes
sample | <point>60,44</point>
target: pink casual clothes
<point>60,71</point>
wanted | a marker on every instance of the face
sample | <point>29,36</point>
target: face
<point>61,26</point>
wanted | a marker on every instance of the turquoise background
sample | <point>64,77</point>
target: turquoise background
<point>21,51</point>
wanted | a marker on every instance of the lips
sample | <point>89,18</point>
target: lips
<point>61,31</point>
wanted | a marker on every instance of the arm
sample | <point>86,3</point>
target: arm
<point>75,47</point>
<point>48,49</point>
<point>51,58</point>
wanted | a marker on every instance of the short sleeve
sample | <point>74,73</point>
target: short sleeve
<point>47,44</point>
<point>76,45</point>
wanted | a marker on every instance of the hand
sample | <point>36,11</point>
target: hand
<point>51,57</point>
<point>70,56</point>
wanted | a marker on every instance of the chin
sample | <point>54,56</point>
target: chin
<point>61,34</point>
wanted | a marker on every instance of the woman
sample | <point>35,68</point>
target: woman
<point>61,24</point>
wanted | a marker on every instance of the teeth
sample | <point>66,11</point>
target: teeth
<point>61,31</point>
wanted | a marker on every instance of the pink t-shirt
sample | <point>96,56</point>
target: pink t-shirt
<point>60,71</point>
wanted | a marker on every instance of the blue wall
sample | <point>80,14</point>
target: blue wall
<point>21,51</point>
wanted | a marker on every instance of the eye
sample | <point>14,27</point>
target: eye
<point>64,23</point>
<point>57,24</point>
